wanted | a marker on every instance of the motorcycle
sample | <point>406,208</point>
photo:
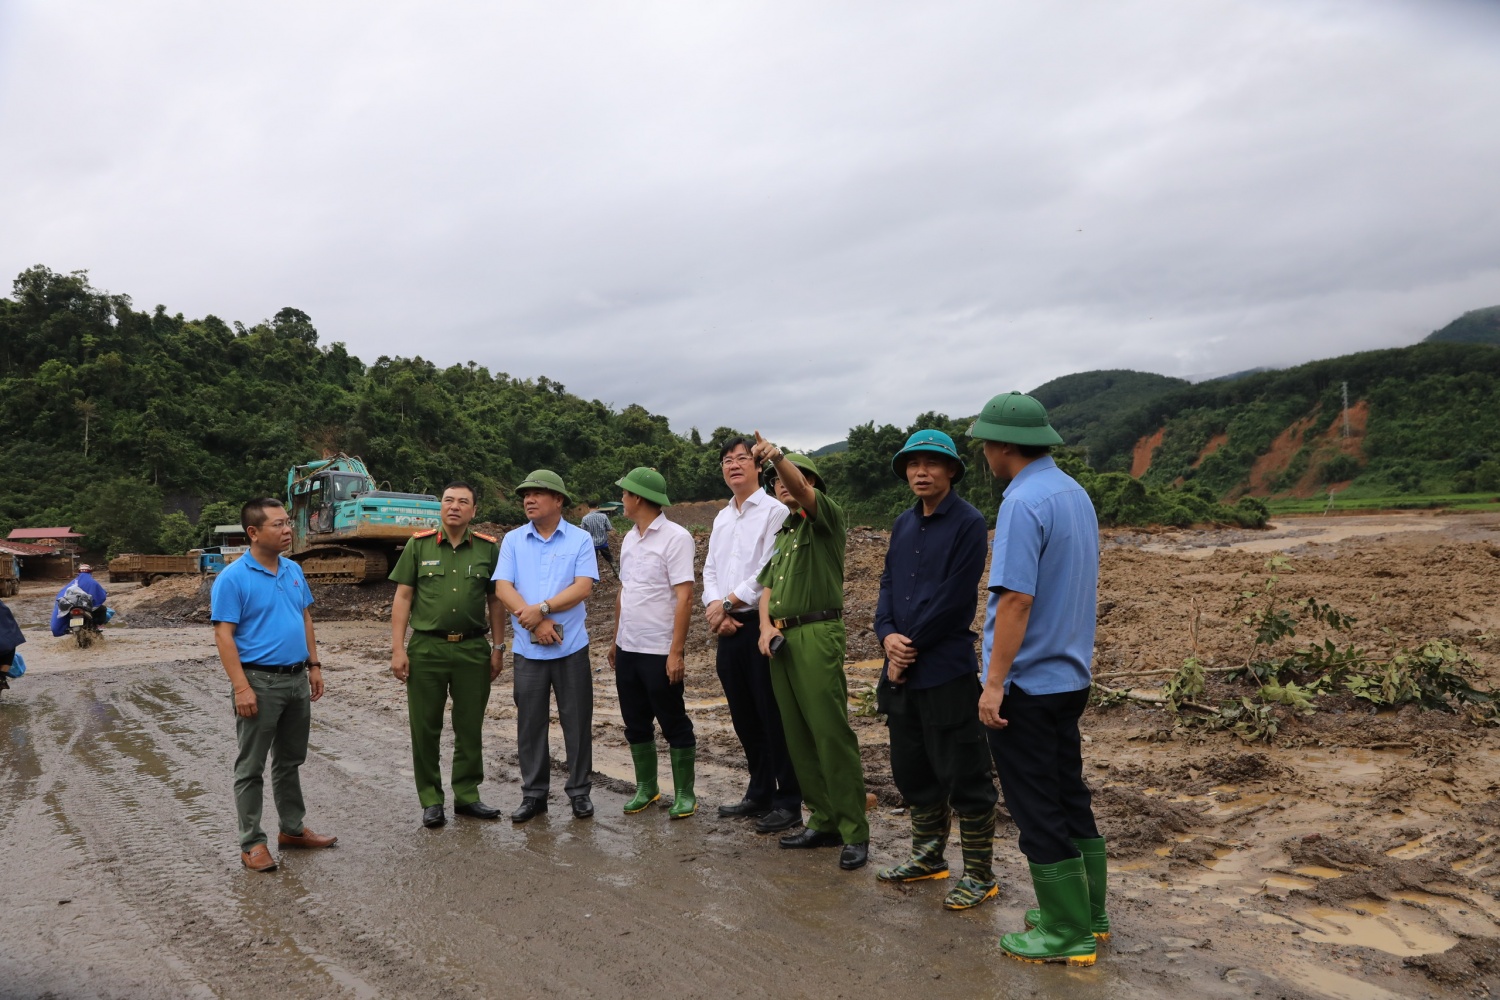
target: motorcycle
<point>77,608</point>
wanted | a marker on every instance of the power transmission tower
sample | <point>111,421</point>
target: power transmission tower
<point>1346,408</point>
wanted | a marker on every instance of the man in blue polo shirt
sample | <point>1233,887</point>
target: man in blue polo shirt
<point>546,571</point>
<point>929,688</point>
<point>264,635</point>
<point>1038,647</point>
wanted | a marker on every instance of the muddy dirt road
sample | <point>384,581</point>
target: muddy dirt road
<point>1352,857</point>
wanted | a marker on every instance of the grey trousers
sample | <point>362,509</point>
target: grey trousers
<point>279,729</point>
<point>573,681</point>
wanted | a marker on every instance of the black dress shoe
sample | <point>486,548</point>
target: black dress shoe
<point>777,820</point>
<point>477,809</point>
<point>744,807</point>
<point>433,816</point>
<point>854,856</point>
<point>583,807</point>
<point>528,808</point>
<point>808,837</point>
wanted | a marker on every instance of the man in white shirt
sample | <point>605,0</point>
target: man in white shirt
<point>652,612</point>
<point>743,538</point>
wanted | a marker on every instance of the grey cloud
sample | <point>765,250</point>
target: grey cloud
<point>796,217</point>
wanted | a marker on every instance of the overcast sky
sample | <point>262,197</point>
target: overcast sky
<point>791,216</point>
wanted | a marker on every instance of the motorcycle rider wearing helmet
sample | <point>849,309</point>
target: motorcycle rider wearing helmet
<point>85,582</point>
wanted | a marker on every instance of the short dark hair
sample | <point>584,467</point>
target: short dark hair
<point>459,484</point>
<point>734,443</point>
<point>594,502</point>
<point>253,514</point>
<point>1034,450</point>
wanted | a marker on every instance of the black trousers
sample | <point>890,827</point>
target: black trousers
<point>646,695</point>
<point>938,751</point>
<point>1040,759</point>
<point>746,677</point>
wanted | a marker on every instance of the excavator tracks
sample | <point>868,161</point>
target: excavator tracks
<point>341,564</point>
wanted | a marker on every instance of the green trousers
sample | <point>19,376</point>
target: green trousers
<point>279,729</point>
<point>440,669</point>
<point>813,695</point>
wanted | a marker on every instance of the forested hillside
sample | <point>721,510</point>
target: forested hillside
<point>1422,419</point>
<point>143,430</point>
<point>1083,407</point>
<point>1478,326</point>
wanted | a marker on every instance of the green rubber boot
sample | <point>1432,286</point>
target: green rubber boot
<point>1062,933</point>
<point>684,800</point>
<point>929,838</point>
<point>1096,867</point>
<point>977,836</point>
<point>646,792</point>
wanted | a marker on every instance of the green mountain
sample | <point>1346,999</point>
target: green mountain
<point>1421,419</point>
<point>1084,406</point>
<point>1478,326</point>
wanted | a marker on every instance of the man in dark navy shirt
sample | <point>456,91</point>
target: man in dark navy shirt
<point>929,689</point>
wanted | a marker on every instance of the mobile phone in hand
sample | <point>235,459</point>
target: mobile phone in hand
<point>777,641</point>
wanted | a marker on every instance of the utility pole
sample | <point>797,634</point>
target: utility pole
<point>1346,409</point>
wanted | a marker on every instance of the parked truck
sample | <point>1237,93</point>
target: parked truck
<point>132,567</point>
<point>345,529</point>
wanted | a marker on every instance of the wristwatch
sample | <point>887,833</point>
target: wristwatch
<point>728,605</point>
<point>545,608</point>
<point>498,647</point>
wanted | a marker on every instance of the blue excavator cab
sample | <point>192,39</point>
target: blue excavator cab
<point>345,529</point>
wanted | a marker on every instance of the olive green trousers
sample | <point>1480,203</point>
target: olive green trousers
<point>440,670</point>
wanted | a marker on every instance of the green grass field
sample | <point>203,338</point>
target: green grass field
<point>1459,502</point>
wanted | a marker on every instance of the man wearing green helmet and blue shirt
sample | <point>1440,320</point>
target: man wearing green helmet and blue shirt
<point>1038,648</point>
<point>545,573</point>
<point>652,611</point>
<point>929,687</point>
<point>802,631</point>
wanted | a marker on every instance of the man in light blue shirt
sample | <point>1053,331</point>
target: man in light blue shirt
<point>546,571</point>
<point>1038,646</point>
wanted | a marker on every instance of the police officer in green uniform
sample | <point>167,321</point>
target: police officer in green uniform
<point>803,606</point>
<point>443,590</point>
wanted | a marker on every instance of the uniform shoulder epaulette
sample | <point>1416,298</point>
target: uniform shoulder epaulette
<point>425,533</point>
<point>488,538</point>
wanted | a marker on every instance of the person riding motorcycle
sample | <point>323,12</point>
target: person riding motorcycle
<point>10,638</point>
<point>96,593</point>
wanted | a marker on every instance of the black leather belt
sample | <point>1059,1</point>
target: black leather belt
<point>748,615</point>
<point>817,616</point>
<point>473,633</point>
<point>271,668</point>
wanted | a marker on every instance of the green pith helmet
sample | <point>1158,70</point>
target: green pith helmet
<point>934,441</point>
<point>545,479</point>
<point>806,465</point>
<point>647,484</point>
<point>1015,418</point>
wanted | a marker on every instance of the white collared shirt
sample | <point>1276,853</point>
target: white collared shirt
<point>741,544</point>
<point>651,563</point>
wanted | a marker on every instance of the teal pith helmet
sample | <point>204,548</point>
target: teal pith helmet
<point>1015,418</point>
<point>932,441</point>
<point>544,479</point>
<point>646,483</point>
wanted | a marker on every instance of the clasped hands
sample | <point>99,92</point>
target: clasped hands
<point>719,620</point>
<point>539,625</point>
<point>900,654</point>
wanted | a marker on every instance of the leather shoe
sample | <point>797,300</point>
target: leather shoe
<point>777,820</point>
<point>305,839</point>
<point>744,807</point>
<point>258,859</point>
<point>854,856</point>
<point>476,810</point>
<point>583,807</point>
<point>528,808</point>
<point>434,816</point>
<point>808,837</point>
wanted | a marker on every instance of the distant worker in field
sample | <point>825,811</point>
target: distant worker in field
<point>445,591</point>
<point>546,571</point>
<point>86,583</point>
<point>929,689</point>
<point>744,535</point>
<point>264,634</point>
<point>652,611</point>
<point>1038,648</point>
<point>802,631</point>
<point>596,523</point>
